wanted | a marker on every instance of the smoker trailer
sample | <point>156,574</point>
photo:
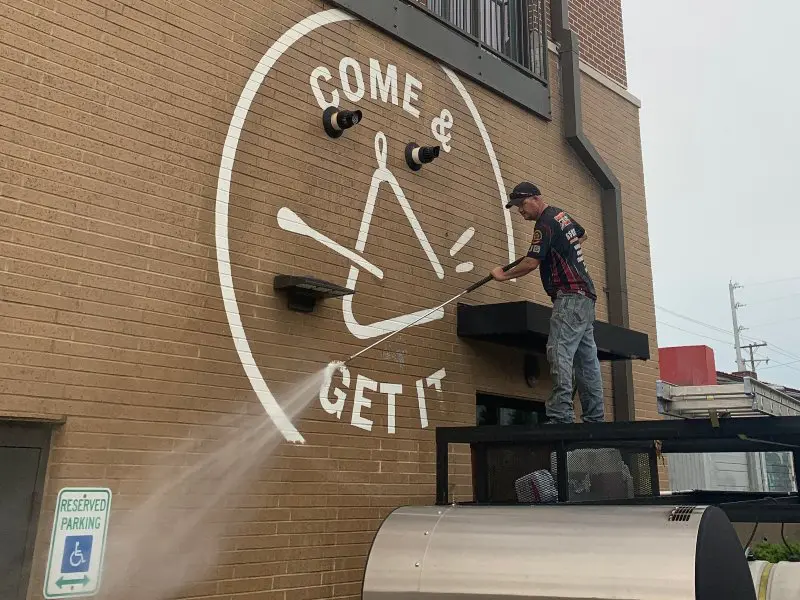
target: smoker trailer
<point>557,552</point>
<point>603,530</point>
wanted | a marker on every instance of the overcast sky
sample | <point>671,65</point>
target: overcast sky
<point>720,97</point>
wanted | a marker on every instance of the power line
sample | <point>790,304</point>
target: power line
<point>780,321</point>
<point>703,323</point>
<point>785,353</point>
<point>786,364</point>
<point>747,338</point>
<point>775,299</point>
<point>780,350</point>
<point>774,281</point>
<point>694,333</point>
<point>726,342</point>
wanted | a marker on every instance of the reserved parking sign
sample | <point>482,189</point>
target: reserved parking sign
<point>77,545</point>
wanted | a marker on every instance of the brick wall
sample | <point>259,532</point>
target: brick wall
<point>114,120</point>
<point>602,113</point>
<point>598,24</point>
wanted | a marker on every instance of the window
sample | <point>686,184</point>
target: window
<point>500,44</point>
<point>501,410</point>
<point>510,28</point>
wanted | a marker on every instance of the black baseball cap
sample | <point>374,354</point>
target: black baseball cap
<point>520,192</point>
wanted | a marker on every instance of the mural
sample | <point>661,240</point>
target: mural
<point>382,174</point>
<point>355,82</point>
<point>392,390</point>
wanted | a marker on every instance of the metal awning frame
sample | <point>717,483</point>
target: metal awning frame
<point>526,325</point>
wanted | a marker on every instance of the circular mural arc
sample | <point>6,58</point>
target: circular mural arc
<point>222,240</point>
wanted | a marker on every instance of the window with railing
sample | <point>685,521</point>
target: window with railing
<point>498,44</point>
<point>511,29</point>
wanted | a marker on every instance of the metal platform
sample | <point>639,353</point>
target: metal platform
<point>751,398</point>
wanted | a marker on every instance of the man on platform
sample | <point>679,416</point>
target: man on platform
<point>556,251</point>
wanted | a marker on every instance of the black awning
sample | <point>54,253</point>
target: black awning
<point>526,325</point>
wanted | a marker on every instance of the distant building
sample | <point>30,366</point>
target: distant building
<point>730,471</point>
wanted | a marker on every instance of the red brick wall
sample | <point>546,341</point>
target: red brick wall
<point>598,24</point>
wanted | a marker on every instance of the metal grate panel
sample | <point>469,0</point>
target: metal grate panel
<point>592,473</point>
<point>606,474</point>
<point>505,465</point>
<point>681,513</point>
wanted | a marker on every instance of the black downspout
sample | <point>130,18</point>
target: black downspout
<point>611,202</point>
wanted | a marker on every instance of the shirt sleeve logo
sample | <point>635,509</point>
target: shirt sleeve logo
<point>563,220</point>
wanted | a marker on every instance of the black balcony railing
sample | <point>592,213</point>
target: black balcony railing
<point>512,29</point>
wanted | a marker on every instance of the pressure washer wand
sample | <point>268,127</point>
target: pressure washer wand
<point>471,288</point>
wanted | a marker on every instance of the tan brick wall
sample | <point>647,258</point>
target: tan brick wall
<point>612,124</point>
<point>114,117</point>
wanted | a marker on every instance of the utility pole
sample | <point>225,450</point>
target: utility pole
<point>740,366</point>
<point>753,361</point>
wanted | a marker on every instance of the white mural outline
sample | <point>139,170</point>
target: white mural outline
<point>383,174</point>
<point>440,128</point>
<point>492,158</point>
<point>289,219</point>
<point>462,241</point>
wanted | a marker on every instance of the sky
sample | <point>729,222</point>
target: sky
<point>720,130</point>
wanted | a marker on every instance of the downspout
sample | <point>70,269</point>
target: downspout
<point>610,201</point>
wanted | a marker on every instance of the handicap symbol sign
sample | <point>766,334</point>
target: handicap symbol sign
<point>77,554</point>
<point>78,542</point>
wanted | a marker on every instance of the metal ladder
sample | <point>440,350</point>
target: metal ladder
<point>750,398</point>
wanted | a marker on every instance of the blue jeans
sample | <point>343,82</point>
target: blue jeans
<point>571,348</point>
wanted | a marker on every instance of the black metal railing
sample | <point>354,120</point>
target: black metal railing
<point>513,29</point>
<point>616,463</point>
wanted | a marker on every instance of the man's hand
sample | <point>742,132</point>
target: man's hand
<point>527,265</point>
<point>498,274</point>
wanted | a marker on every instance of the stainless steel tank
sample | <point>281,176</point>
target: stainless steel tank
<point>557,552</point>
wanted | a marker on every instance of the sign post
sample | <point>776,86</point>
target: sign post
<point>78,542</point>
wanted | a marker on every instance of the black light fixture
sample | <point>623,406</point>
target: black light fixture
<point>303,292</point>
<point>416,155</point>
<point>335,121</point>
<point>531,369</point>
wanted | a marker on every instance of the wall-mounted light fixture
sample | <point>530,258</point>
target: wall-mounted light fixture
<point>303,292</point>
<point>335,121</point>
<point>416,156</point>
<point>531,370</point>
